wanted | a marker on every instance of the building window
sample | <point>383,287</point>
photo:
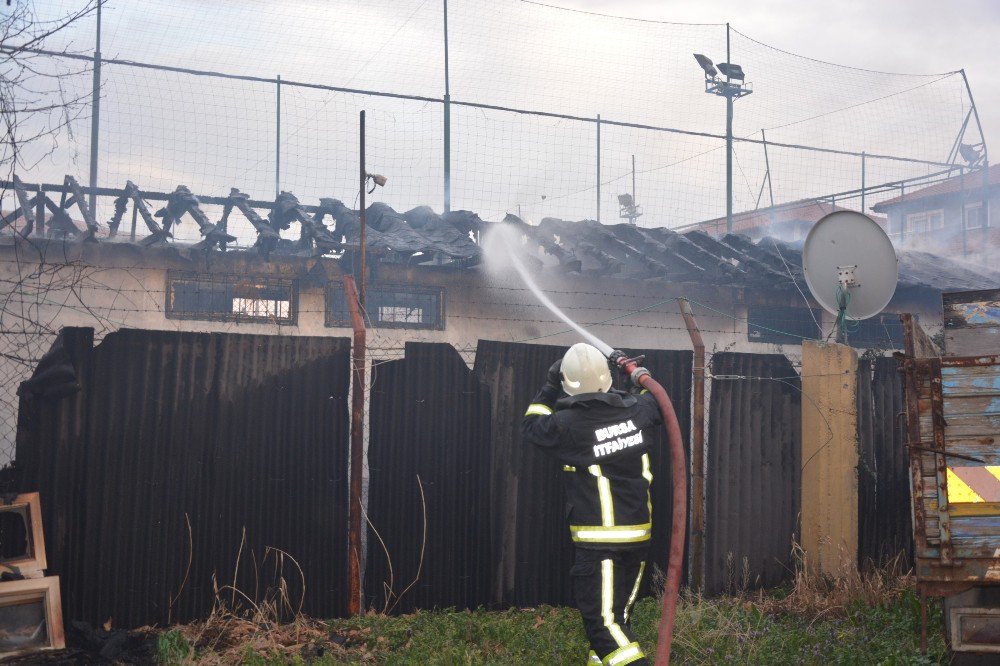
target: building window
<point>389,306</point>
<point>782,325</point>
<point>921,223</point>
<point>883,331</point>
<point>973,216</point>
<point>231,298</point>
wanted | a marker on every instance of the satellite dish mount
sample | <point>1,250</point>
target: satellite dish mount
<point>850,267</point>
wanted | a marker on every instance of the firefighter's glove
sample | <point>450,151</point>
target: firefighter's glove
<point>554,378</point>
<point>615,359</point>
<point>552,390</point>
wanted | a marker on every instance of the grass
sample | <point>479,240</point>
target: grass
<point>797,625</point>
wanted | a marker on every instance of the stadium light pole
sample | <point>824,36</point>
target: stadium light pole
<point>732,88</point>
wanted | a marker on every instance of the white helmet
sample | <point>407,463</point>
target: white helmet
<point>585,370</point>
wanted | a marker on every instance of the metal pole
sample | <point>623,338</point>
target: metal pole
<point>95,113</point>
<point>862,181</point>
<point>447,117</point>
<point>961,202</point>
<point>902,216</point>
<point>361,196</point>
<point>633,180</point>
<point>729,146</point>
<point>598,167</point>
<point>767,165</point>
<point>984,209</point>
<point>729,164</point>
<point>357,449</point>
<point>697,449</point>
<point>277,145</point>
<point>975,112</point>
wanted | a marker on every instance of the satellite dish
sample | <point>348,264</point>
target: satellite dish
<point>850,265</point>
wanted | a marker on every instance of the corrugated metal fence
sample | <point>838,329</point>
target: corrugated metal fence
<point>752,484</point>
<point>240,434</point>
<point>459,430</point>
<point>430,420</point>
<point>884,518</point>
<point>244,431</point>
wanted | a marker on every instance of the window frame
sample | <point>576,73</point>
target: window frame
<point>978,207</point>
<point>788,338</point>
<point>910,220</point>
<point>374,317</point>
<point>236,283</point>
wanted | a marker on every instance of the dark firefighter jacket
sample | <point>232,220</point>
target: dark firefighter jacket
<point>602,440</point>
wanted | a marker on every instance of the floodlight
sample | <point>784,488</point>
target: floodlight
<point>706,64</point>
<point>732,88</point>
<point>971,154</point>
<point>732,71</point>
<point>625,200</point>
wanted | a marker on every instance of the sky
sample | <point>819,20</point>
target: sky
<point>909,36</point>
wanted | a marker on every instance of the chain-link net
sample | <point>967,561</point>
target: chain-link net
<point>550,113</point>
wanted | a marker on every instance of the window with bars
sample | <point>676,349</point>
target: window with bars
<point>389,306</point>
<point>231,298</point>
<point>883,331</point>
<point>782,325</point>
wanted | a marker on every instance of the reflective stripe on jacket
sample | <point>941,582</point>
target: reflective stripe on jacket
<point>602,440</point>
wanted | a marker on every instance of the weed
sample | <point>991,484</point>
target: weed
<point>173,648</point>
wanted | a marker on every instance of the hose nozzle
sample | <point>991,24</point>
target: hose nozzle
<point>619,360</point>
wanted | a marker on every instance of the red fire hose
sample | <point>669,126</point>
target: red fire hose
<point>678,469</point>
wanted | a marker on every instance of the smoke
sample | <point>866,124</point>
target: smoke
<point>501,246</point>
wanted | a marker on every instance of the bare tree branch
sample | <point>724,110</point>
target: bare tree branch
<point>35,108</point>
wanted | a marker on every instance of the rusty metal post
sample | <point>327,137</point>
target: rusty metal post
<point>357,448</point>
<point>361,196</point>
<point>697,449</point>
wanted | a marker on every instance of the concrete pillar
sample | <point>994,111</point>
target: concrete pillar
<point>829,457</point>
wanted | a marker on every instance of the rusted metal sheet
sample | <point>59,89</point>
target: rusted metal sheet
<point>356,473</point>
<point>954,419</point>
<point>971,308</point>
<point>752,483</point>
<point>240,436</point>
<point>697,502</point>
<point>884,516</point>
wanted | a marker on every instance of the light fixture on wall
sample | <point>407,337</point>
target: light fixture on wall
<point>376,180</point>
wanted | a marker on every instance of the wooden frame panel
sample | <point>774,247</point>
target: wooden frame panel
<point>31,566</point>
<point>33,590</point>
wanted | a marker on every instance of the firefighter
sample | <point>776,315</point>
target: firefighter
<point>602,438</point>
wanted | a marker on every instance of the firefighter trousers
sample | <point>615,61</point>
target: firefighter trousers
<point>605,586</point>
